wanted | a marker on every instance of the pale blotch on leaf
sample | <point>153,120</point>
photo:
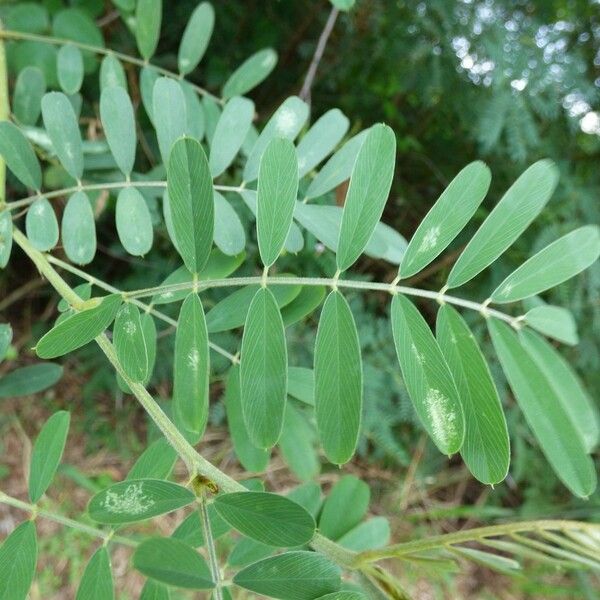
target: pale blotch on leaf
<point>430,239</point>
<point>286,121</point>
<point>420,358</point>
<point>130,328</point>
<point>131,502</point>
<point>194,359</point>
<point>441,416</point>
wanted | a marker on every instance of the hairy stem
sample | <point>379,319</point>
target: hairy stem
<point>54,41</point>
<point>195,462</point>
<point>470,535</point>
<point>210,546</point>
<point>34,510</point>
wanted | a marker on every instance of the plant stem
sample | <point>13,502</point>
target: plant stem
<point>195,463</point>
<point>46,514</point>
<point>470,535</point>
<point>329,282</point>
<point>145,307</point>
<point>4,113</point>
<point>45,39</point>
<point>210,546</point>
<point>113,185</point>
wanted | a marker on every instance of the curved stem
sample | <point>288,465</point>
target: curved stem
<point>90,187</point>
<point>328,282</point>
<point>46,514</point>
<point>470,535</point>
<point>145,307</point>
<point>54,41</point>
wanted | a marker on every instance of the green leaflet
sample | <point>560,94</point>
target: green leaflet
<point>195,120</point>
<point>212,112</point>
<point>27,95</point>
<point>137,500</point>
<point>41,225</point>
<point>229,234</point>
<point>62,128</point>
<point>345,507</point>
<point>571,393</point>
<point>190,529</point>
<point>149,335</point>
<point>118,120</point>
<point>46,454</point>
<point>69,67</point>
<point>307,495</point>
<point>6,334</point>
<point>370,535</point>
<point>544,412</point>
<point>148,78</point>
<point>154,591</point>
<point>321,139</point>
<point>148,16</point>
<point>343,595</point>
<point>191,367</point>
<point>133,220</point>
<point>78,229</point>
<point>18,557</point>
<point>97,580</point>
<point>251,457</point>
<point>231,131</point>
<point>294,241</point>
<point>29,380</point>
<point>557,262</point>
<point>496,562</point>
<point>173,562</point>
<point>338,380</point>
<point>297,575</point>
<point>338,168</point>
<point>307,301</point>
<point>276,197</point>
<point>112,73</point>
<point>155,462</point>
<point>231,312</point>
<point>486,448</point>
<point>297,443</point>
<point>287,121</point>
<point>6,237</point>
<point>508,220</point>
<point>250,73</point>
<point>555,322</point>
<point>196,36</point>
<point>263,373</point>
<point>19,155</point>
<point>129,342</point>
<point>248,551</point>
<point>83,290</point>
<point>447,217</point>
<point>169,114</point>
<point>79,329</point>
<point>427,377</point>
<point>267,518</point>
<point>191,201</point>
<point>370,184</point>
<point>301,384</point>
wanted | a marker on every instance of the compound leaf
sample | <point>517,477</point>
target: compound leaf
<point>447,217</point>
<point>191,201</point>
<point>486,448</point>
<point>46,454</point>
<point>263,373</point>
<point>370,184</point>
<point>557,262</point>
<point>508,220</point>
<point>338,380</point>
<point>267,518</point>
<point>276,197</point>
<point>427,377</point>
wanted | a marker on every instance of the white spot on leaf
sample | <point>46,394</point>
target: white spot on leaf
<point>441,417</point>
<point>430,239</point>
<point>286,121</point>
<point>131,502</point>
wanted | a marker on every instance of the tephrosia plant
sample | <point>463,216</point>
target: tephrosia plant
<point>211,164</point>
